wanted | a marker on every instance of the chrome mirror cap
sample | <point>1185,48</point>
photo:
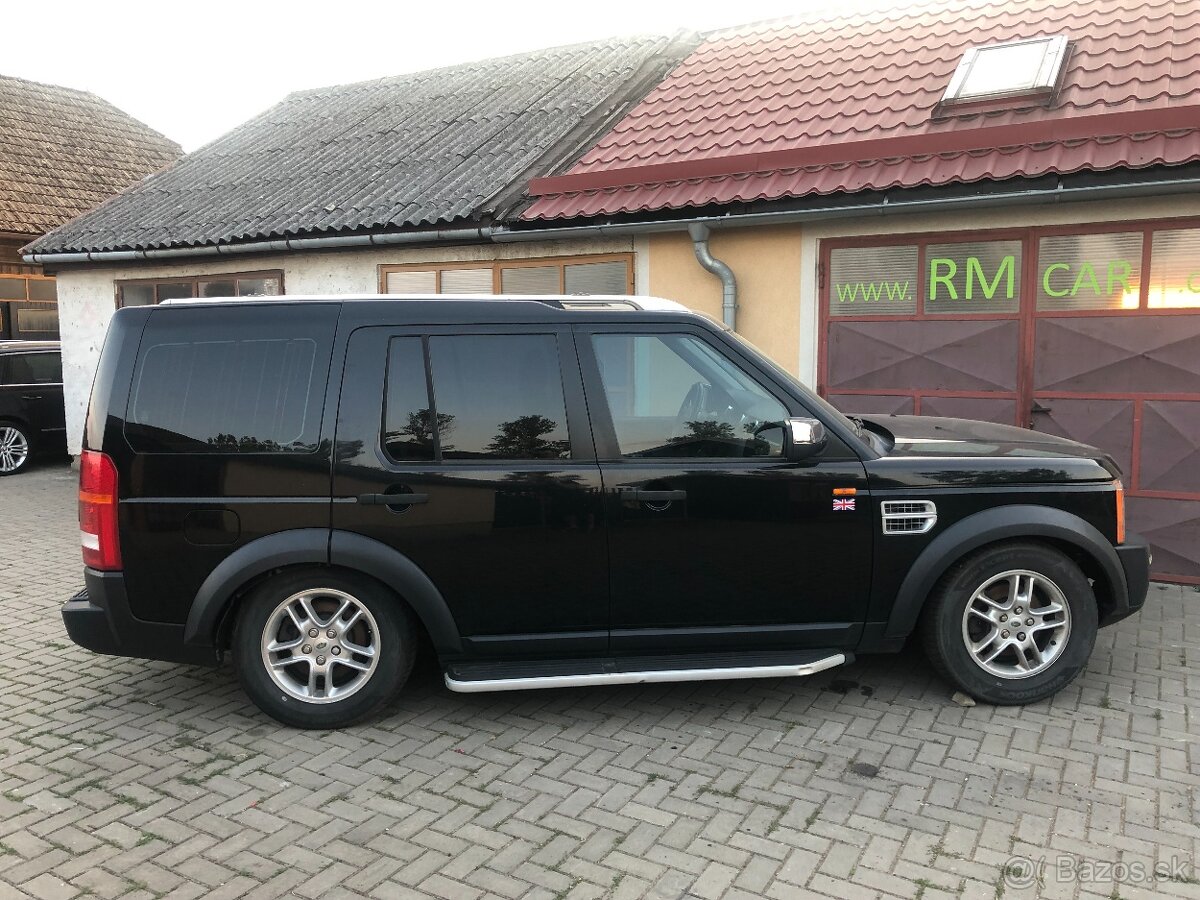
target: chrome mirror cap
<point>806,432</point>
<point>805,437</point>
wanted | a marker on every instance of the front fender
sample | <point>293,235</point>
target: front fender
<point>987,527</point>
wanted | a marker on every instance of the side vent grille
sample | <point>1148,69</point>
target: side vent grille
<point>908,516</point>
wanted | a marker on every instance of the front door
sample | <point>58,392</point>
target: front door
<point>486,429</point>
<point>716,540</point>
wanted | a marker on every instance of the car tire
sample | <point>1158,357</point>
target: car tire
<point>16,447</point>
<point>319,648</point>
<point>1011,624</point>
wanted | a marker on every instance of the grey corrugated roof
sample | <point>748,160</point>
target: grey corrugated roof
<point>429,148</point>
<point>62,151</point>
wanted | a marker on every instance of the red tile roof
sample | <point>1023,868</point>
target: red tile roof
<point>820,106</point>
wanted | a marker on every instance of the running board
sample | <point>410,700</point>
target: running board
<point>471,678</point>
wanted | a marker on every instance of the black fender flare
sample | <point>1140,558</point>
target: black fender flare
<point>284,548</point>
<point>987,527</point>
<point>317,546</point>
<point>401,574</point>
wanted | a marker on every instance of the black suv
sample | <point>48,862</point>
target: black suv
<point>560,491</point>
<point>32,418</point>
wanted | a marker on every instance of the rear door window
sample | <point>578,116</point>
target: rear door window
<point>31,368</point>
<point>495,396</point>
<point>247,380</point>
<point>44,368</point>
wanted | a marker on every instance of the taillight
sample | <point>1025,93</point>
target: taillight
<point>98,511</point>
<point>1120,511</point>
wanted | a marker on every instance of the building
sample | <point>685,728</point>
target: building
<point>62,152</point>
<point>391,185</point>
<point>978,210</point>
<point>964,208</point>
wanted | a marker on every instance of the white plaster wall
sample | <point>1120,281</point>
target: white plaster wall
<point>1016,217</point>
<point>87,296</point>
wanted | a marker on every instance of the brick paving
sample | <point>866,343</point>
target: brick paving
<point>124,778</point>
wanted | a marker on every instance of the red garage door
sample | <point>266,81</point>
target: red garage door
<point>1093,334</point>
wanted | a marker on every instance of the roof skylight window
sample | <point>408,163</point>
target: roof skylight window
<point>1011,69</point>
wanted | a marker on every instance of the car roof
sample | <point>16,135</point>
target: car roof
<point>27,346</point>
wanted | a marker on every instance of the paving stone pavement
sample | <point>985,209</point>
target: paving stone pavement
<point>126,778</point>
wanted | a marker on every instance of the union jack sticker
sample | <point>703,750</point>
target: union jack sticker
<point>843,505</point>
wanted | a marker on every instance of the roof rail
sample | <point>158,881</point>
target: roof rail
<point>559,301</point>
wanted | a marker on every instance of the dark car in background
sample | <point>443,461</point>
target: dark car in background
<point>32,416</point>
<point>560,491</point>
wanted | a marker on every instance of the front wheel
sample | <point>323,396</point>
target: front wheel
<point>322,649</point>
<point>16,446</point>
<point>1011,624</point>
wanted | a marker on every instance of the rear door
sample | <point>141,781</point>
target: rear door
<point>42,393</point>
<point>484,432</point>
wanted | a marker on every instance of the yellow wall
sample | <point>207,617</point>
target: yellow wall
<point>766,262</point>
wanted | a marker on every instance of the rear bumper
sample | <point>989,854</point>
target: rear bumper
<point>1134,556</point>
<point>99,619</point>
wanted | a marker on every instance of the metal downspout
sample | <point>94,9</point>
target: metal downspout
<point>729,295</point>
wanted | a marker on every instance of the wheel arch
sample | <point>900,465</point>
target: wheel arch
<point>1065,531</point>
<point>216,600</point>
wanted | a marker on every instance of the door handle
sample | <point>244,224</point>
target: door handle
<point>1038,408</point>
<point>642,496</point>
<point>31,396</point>
<point>392,499</point>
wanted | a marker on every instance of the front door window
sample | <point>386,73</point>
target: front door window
<point>674,396</point>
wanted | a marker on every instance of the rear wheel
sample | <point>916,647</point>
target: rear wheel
<point>1014,623</point>
<point>322,649</point>
<point>16,446</point>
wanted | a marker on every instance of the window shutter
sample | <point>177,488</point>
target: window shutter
<point>411,282</point>
<point>598,278</point>
<point>529,280</point>
<point>467,281</point>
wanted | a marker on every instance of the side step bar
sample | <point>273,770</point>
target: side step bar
<point>479,678</point>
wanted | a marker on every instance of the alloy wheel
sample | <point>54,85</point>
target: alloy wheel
<point>14,449</point>
<point>1016,624</point>
<point>320,645</point>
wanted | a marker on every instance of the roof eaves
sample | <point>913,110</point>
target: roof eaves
<point>1086,127</point>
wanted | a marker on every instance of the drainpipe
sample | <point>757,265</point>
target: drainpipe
<point>729,304</point>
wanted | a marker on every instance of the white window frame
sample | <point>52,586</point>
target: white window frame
<point>1047,75</point>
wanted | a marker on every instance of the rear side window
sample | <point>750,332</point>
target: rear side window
<point>246,380</point>
<point>45,368</point>
<point>31,368</point>
<point>495,396</point>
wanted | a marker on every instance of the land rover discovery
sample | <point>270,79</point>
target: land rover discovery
<point>560,491</point>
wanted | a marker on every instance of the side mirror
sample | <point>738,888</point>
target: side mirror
<point>803,438</point>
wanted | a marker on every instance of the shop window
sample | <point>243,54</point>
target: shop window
<point>873,281</point>
<point>568,275</point>
<point>973,277</point>
<point>1089,271</point>
<point>36,319</point>
<point>1174,281</point>
<point>146,292</point>
<point>16,287</point>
